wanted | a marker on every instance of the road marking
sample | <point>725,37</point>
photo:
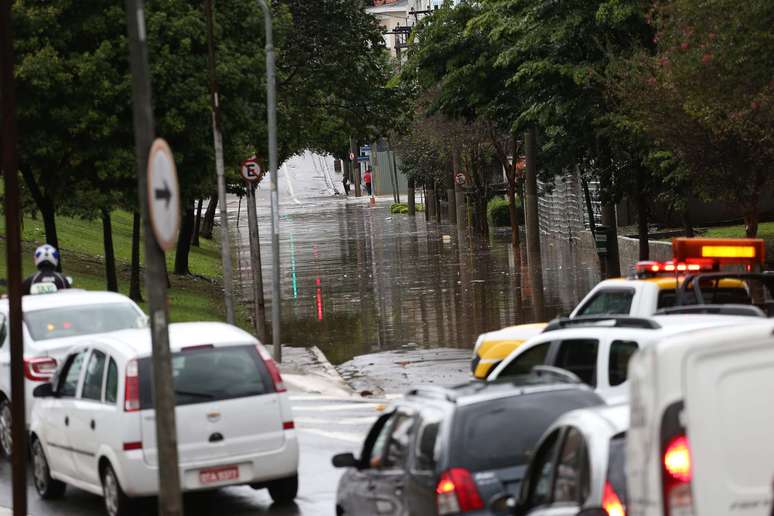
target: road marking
<point>334,408</point>
<point>338,421</point>
<point>338,436</point>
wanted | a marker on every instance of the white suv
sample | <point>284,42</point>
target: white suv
<point>700,440</point>
<point>597,349</point>
<point>94,427</point>
<point>52,323</point>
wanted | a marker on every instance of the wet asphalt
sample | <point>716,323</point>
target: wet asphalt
<point>325,426</point>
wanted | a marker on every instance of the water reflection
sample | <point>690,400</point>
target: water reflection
<point>356,279</point>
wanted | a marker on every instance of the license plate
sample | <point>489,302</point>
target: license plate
<point>215,475</point>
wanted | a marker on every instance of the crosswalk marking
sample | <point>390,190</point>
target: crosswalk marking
<point>339,436</point>
<point>365,420</point>
<point>334,408</point>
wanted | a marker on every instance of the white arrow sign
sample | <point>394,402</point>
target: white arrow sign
<point>163,195</point>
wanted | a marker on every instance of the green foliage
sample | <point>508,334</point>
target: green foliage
<point>402,208</point>
<point>497,212</point>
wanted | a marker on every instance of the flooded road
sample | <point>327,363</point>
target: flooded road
<point>357,279</point>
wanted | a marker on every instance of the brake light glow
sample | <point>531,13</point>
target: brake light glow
<point>132,387</point>
<point>271,366</point>
<point>677,459</point>
<point>456,491</point>
<point>39,369</point>
<point>611,503</point>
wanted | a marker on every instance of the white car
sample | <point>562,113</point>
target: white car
<point>597,350</point>
<point>579,466</point>
<point>94,426</point>
<point>51,324</point>
<point>700,441</point>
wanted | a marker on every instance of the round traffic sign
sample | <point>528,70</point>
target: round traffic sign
<point>459,177</point>
<point>251,170</point>
<point>163,195</point>
<point>351,156</point>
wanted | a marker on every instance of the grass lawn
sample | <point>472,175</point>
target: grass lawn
<point>765,231</point>
<point>192,298</point>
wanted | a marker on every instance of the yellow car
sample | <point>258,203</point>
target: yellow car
<point>491,348</point>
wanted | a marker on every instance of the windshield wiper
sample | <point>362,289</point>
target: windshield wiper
<point>196,394</point>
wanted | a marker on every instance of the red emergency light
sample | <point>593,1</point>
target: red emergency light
<point>745,251</point>
<point>653,268</point>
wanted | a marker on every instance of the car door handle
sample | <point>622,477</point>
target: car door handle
<point>93,424</point>
<point>67,421</point>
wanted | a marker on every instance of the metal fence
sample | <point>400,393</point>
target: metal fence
<point>562,208</point>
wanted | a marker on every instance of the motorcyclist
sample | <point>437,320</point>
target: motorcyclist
<point>46,261</point>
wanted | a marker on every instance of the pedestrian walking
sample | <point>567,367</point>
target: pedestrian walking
<point>46,260</point>
<point>367,181</point>
<point>345,182</point>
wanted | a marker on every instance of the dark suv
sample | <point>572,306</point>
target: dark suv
<point>453,450</point>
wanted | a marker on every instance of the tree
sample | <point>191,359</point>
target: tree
<point>706,95</point>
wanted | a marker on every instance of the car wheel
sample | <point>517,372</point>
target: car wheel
<point>116,501</point>
<point>284,490</point>
<point>47,487</point>
<point>6,440</point>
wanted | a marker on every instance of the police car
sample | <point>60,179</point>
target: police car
<point>654,286</point>
<point>51,324</point>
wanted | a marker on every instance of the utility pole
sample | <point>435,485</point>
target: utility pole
<point>225,238</point>
<point>255,263</point>
<point>271,108</point>
<point>355,166</point>
<point>459,194</point>
<point>534,261</point>
<point>10,168</point>
<point>170,498</point>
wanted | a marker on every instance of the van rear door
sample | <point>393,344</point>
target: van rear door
<point>730,423</point>
<point>226,404</point>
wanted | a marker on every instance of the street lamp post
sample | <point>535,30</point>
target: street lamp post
<point>271,108</point>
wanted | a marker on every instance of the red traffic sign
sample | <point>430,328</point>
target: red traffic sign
<point>459,177</point>
<point>163,195</point>
<point>251,170</point>
<point>351,156</point>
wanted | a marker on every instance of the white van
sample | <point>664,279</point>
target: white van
<point>701,436</point>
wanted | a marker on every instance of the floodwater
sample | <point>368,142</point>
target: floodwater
<point>356,279</point>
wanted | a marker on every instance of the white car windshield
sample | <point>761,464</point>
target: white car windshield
<point>73,321</point>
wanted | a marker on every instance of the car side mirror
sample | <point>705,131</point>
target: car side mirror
<point>43,391</point>
<point>504,504</point>
<point>596,511</point>
<point>345,460</point>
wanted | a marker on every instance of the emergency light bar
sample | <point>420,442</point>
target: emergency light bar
<point>671,266</point>
<point>746,251</point>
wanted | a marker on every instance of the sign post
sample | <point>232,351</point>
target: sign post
<point>9,165</point>
<point>252,174</point>
<point>159,198</point>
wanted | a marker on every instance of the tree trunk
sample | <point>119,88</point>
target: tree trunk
<point>688,223</point>
<point>437,199</point>
<point>752,217</point>
<point>49,223</point>
<point>534,260</point>
<point>481,224</point>
<point>642,219</point>
<point>209,217</point>
<point>184,242</point>
<point>412,201</point>
<point>111,278</point>
<point>429,204</point>
<point>613,261</point>
<point>512,212</point>
<point>197,224</point>
<point>135,293</point>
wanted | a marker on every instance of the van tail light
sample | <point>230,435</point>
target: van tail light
<point>677,475</point>
<point>288,425</point>
<point>132,387</point>
<point>39,369</point>
<point>134,445</point>
<point>274,372</point>
<point>457,492</point>
<point>611,503</point>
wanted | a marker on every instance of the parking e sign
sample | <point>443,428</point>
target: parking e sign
<point>251,170</point>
